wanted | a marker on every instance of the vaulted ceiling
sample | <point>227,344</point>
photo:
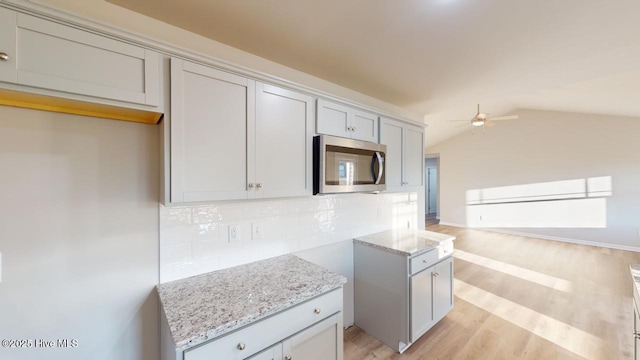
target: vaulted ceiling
<point>439,57</point>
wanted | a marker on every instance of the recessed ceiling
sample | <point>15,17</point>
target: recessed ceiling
<point>439,57</point>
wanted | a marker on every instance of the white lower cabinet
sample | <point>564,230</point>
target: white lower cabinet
<point>636,331</point>
<point>318,342</point>
<point>272,353</point>
<point>308,331</point>
<point>321,341</point>
<point>398,298</point>
<point>431,296</point>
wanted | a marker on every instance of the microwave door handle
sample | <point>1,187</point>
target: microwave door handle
<point>377,157</point>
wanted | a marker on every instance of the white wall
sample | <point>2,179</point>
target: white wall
<point>541,147</point>
<point>194,239</point>
<point>78,235</point>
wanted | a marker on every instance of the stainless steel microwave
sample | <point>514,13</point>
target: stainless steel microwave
<point>343,165</point>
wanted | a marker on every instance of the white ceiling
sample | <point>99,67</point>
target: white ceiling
<point>439,57</point>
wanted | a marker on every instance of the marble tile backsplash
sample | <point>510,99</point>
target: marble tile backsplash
<point>195,239</point>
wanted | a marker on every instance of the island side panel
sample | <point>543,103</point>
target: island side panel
<point>167,346</point>
<point>381,295</point>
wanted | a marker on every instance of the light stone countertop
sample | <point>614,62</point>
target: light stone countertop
<point>409,242</point>
<point>206,306</point>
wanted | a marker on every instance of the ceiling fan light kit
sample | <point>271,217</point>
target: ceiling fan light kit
<point>483,119</point>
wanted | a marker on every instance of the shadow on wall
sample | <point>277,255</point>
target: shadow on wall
<point>577,203</point>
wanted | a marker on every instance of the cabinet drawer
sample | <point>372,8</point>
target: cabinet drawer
<point>423,261</point>
<point>264,333</point>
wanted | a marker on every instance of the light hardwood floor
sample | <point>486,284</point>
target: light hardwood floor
<point>524,298</point>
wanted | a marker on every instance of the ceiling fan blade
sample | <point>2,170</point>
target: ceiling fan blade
<point>489,123</point>
<point>500,118</point>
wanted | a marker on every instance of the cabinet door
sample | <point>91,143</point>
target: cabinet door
<point>364,126</point>
<point>272,353</point>
<point>391,134</point>
<point>210,113</point>
<point>421,302</point>
<point>333,119</point>
<point>636,330</point>
<point>59,57</point>
<point>413,156</point>
<point>443,289</point>
<point>283,135</point>
<point>322,341</point>
<point>8,45</point>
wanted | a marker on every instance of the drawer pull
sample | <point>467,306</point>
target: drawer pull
<point>425,261</point>
<point>288,357</point>
<point>241,346</point>
<point>4,57</point>
<point>316,310</point>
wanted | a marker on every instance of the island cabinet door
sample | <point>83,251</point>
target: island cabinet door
<point>322,341</point>
<point>636,331</point>
<point>421,302</point>
<point>272,353</point>
<point>443,289</point>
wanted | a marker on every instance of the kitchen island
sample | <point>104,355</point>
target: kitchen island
<point>635,277</point>
<point>266,309</point>
<point>403,284</point>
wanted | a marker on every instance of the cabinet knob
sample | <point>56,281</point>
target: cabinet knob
<point>241,346</point>
<point>316,310</point>
<point>353,128</point>
<point>4,56</point>
<point>259,185</point>
<point>288,357</point>
<point>251,186</point>
<point>425,261</point>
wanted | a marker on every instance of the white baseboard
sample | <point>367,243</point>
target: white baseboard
<point>549,237</point>
<point>452,224</point>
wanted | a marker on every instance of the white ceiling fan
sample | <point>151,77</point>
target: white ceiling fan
<point>483,119</point>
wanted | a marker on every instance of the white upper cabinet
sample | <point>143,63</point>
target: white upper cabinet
<point>8,45</point>
<point>340,120</point>
<point>211,112</point>
<point>413,155</point>
<point>233,138</point>
<point>405,154</point>
<point>53,56</point>
<point>283,146</point>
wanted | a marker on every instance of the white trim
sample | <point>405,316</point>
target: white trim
<point>51,13</point>
<point>452,224</point>
<point>549,237</point>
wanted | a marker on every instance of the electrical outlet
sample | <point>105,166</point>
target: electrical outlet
<point>256,231</point>
<point>234,232</point>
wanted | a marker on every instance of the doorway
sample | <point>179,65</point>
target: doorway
<point>431,193</point>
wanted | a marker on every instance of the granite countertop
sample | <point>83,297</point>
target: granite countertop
<point>206,306</point>
<point>409,242</point>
